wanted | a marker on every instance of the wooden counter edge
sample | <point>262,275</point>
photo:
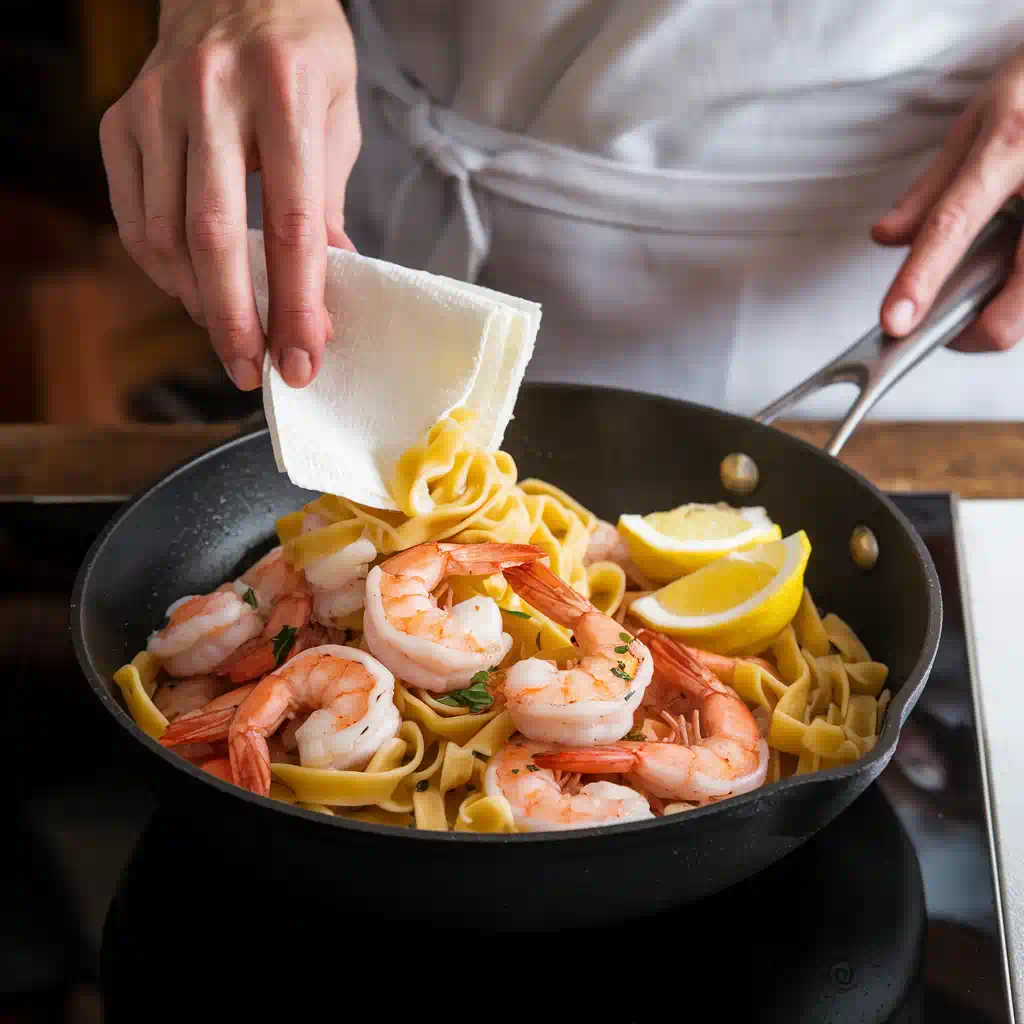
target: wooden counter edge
<point>974,459</point>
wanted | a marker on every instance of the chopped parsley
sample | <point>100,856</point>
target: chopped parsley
<point>481,677</point>
<point>626,638</point>
<point>628,695</point>
<point>621,672</point>
<point>518,615</point>
<point>622,650</point>
<point>532,768</point>
<point>515,771</point>
<point>422,785</point>
<point>249,597</point>
<point>476,697</point>
<point>283,644</point>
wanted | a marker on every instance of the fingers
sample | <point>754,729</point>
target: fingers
<point>123,161</point>
<point>343,141</point>
<point>216,230</point>
<point>992,172</point>
<point>1001,324</point>
<point>901,223</point>
<point>292,153</point>
<point>164,147</point>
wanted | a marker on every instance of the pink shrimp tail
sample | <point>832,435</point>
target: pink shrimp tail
<point>219,766</point>
<point>588,760</point>
<point>209,724</point>
<point>722,666</point>
<point>485,559</point>
<point>542,589</point>
<point>250,761</point>
<point>678,664</point>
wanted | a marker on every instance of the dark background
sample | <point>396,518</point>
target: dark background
<point>85,338</point>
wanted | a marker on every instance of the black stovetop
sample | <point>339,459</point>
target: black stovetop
<point>887,914</point>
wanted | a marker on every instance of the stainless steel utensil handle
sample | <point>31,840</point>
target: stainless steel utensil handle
<point>878,361</point>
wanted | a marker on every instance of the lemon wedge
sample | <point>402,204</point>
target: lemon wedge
<point>737,604</point>
<point>667,545</point>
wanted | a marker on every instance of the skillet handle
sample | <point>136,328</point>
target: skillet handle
<point>877,361</point>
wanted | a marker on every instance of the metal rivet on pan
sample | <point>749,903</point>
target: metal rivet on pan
<point>739,473</point>
<point>864,548</point>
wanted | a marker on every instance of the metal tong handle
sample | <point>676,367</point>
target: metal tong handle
<point>877,361</point>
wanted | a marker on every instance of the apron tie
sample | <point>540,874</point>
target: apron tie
<point>439,187</point>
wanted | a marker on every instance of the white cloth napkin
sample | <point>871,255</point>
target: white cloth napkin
<point>408,348</point>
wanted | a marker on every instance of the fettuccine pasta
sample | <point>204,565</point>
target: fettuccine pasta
<point>815,691</point>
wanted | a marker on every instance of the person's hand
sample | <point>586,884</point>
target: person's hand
<point>234,86</point>
<point>980,167</point>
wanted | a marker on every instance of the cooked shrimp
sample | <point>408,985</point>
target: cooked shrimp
<point>219,766</point>
<point>180,696</point>
<point>350,695</point>
<point>259,656</point>
<point>270,579</point>
<point>422,642</point>
<point>721,753</point>
<point>202,631</point>
<point>540,801</point>
<point>338,580</point>
<point>591,701</point>
<point>210,723</point>
<point>722,666</point>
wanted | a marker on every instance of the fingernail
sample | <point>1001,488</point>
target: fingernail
<point>243,372</point>
<point>296,367</point>
<point>901,316</point>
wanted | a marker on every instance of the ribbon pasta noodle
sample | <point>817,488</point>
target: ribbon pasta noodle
<point>820,704</point>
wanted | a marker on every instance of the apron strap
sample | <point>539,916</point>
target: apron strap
<point>441,218</point>
<point>436,209</point>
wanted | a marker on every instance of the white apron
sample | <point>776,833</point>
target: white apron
<point>687,187</point>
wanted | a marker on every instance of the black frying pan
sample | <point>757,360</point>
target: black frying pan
<point>616,451</point>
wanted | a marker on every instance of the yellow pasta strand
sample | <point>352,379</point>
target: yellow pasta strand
<point>356,789</point>
<point>810,632</point>
<point>607,585</point>
<point>845,639</point>
<point>457,728</point>
<point>137,681</point>
<point>479,813</point>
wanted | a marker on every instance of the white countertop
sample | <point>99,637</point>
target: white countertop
<point>992,563</point>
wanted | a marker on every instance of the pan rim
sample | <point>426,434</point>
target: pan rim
<point>899,708</point>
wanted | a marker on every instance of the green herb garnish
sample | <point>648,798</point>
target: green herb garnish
<point>283,644</point>
<point>622,650</point>
<point>532,768</point>
<point>621,672</point>
<point>515,771</point>
<point>421,786</point>
<point>628,695</point>
<point>638,736</point>
<point>518,615</point>
<point>249,597</point>
<point>476,697</point>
